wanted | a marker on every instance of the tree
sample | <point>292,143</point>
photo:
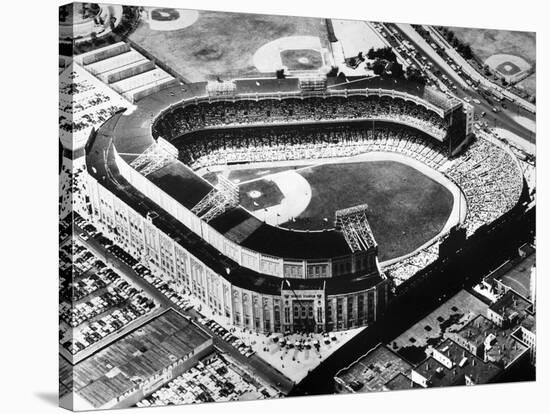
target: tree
<point>371,54</point>
<point>280,73</point>
<point>333,71</point>
<point>396,70</point>
<point>378,67</point>
<point>414,75</point>
<point>467,52</point>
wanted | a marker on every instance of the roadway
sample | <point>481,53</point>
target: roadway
<point>256,365</point>
<point>502,119</point>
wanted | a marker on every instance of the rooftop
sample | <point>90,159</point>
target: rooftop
<point>503,348</point>
<point>135,358</point>
<point>519,277</point>
<point>400,382</point>
<point>511,305</point>
<point>462,364</point>
<point>373,370</point>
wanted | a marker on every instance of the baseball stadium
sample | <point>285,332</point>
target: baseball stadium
<point>286,205</point>
<point>317,201</point>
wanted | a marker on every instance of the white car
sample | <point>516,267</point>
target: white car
<point>477,101</point>
<point>466,99</point>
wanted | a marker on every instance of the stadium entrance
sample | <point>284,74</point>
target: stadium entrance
<point>303,317</point>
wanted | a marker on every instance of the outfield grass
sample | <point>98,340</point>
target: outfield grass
<point>406,208</point>
<point>488,42</point>
<point>222,44</point>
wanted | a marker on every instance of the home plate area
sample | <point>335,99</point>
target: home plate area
<point>276,198</point>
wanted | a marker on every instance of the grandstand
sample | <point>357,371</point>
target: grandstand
<point>216,114</point>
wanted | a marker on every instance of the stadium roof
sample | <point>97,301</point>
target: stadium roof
<point>427,93</point>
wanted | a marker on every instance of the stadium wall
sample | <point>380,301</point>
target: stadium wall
<point>245,308</point>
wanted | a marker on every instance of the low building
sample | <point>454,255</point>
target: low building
<point>372,372</point>
<point>450,364</point>
<point>509,310</point>
<point>506,335</point>
<point>400,382</point>
<point>134,366</point>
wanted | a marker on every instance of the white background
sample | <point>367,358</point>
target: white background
<point>29,197</point>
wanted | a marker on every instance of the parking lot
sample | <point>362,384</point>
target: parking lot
<point>215,378</point>
<point>96,302</point>
<point>169,295</point>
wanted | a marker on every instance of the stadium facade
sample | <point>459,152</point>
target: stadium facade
<point>260,277</point>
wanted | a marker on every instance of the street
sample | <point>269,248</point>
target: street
<point>501,119</point>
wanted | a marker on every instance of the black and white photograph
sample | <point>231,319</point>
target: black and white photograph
<point>263,206</point>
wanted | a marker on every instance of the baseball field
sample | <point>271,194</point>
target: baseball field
<point>224,44</point>
<point>405,207</point>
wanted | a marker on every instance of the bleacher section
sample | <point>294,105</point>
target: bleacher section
<point>127,71</point>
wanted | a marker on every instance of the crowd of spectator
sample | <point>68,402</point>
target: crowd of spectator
<point>280,144</point>
<point>490,179</point>
<point>404,269</point>
<point>491,182</point>
<point>249,112</point>
<point>214,379</point>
